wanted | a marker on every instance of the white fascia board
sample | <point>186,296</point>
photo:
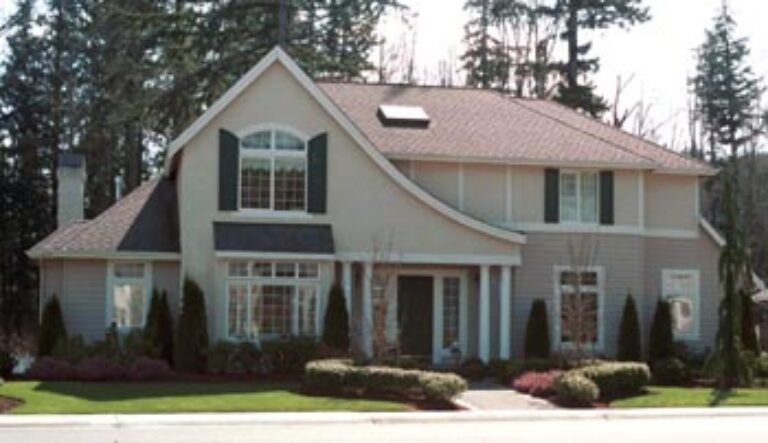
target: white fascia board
<point>106,255</point>
<point>709,229</point>
<point>255,255</point>
<point>513,259</point>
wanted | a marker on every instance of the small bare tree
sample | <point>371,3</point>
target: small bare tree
<point>578,306</point>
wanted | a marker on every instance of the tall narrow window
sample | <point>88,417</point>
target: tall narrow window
<point>129,293</point>
<point>681,289</point>
<point>273,171</point>
<point>579,197</point>
<point>579,298</point>
<point>451,293</point>
<point>237,315</point>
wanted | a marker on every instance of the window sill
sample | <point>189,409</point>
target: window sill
<point>264,215</point>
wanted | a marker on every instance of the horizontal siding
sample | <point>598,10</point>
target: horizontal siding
<point>165,277</point>
<point>84,297</point>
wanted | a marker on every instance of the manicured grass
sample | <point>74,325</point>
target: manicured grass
<point>166,397</point>
<point>663,397</point>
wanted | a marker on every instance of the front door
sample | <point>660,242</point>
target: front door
<point>414,314</point>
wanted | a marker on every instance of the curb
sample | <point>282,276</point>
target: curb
<point>341,418</point>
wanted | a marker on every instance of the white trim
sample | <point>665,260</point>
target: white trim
<point>412,170</point>
<point>437,319</point>
<point>518,161</point>
<point>505,295</point>
<point>346,282</point>
<point>712,232</point>
<point>679,234</point>
<point>484,313</point>
<point>600,270</point>
<point>460,184</point>
<point>278,55</point>
<point>367,309</point>
<point>107,255</point>
<point>110,292</point>
<point>696,274</point>
<point>508,201</point>
<point>513,259</point>
<point>255,255</point>
<point>696,200</point>
<point>250,215</point>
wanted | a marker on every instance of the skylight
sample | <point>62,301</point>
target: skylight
<point>403,116</point>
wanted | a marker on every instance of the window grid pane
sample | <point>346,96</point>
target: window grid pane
<point>255,183</point>
<point>290,184</point>
<point>285,141</point>
<point>569,210</point>
<point>260,140</point>
<point>450,312</point>
<point>262,269</point>
<point>309,270</point>
<point>238,311</point>
<point>272,310</point>
<point>238,269</point>
<point>285,270</point>
<point>307,310</point>
<point>578,316</point>
<point>589,197</point>
<point>129,270</point>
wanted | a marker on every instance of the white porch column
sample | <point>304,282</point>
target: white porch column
<point>485,314</point>
<point>504,307</point>
<point>367,305</point>
<point>346,284</point>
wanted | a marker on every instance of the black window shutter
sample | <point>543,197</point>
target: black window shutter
<point>606,198</point>
<point>229,163</point>
<point>317,181</point>
<point>552,196</point>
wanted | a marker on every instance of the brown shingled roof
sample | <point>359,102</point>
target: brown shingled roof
<point>143,221</point>
<point>475,124</point>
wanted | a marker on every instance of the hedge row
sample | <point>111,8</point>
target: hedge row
<point>343,376</point>
<point>604,380</point>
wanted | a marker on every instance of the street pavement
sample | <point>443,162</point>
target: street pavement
<point>704,426</point>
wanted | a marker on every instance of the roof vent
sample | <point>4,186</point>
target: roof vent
<point>403,116</point>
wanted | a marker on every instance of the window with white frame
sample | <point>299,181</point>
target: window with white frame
<point>579,197</point>
<point>272,299</point>
<point>273,171</point>
<point>681,289</point>
<point>451,309</point>
<point>579,295</point>
<point>129,292</point>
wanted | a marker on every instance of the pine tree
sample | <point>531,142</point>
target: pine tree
<point>152,324</point>
<point>748,334</point>
<point>578,16</point>
<point>537,332</point>
<point>192,331</point>
<point>336,322</point>
<point>52,329</point>
<point>629,347</point>
<point>660,342</point>
<point>485,59</point>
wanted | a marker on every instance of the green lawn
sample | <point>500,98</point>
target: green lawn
<point>662,397</point>
<point>129,398</point>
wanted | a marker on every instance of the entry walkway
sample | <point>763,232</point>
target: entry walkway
<point>487,396</point>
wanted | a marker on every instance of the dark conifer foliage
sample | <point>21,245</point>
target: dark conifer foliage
<point>629,347</point>
<point>537,343</point>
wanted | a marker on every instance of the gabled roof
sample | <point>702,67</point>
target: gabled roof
<point>144,222</point>
<point>470,124</point>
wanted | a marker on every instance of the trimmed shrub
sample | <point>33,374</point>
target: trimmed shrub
<point>340,376</point>
<point>617,380</point>
<point>72,349</point>
<point>152,325</point>
<point>52,328</point>
<point>537,332</point>
<point>50,368</point>
<point>7,363</point>
<point>288,357</point>
<point>158,332</point>
<point>336,321</point>
<point>192,332</point>
<point>145,368</point>
<point>234,358</point>
<point>671,372</point>
<point>574,389</point>
<point>660,344</point>
<point>474,369</point>
<point>98,369</point>
<point>761,366</point>
<point>629,348</point>
<point>537,384</point>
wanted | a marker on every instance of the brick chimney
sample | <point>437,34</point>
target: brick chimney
<point>71,192</point>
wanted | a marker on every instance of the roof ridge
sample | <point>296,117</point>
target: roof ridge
<point>403,85</point>
<point>651,143</point>
<point>616,145</point>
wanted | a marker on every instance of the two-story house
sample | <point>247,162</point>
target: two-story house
<point>459,207</point>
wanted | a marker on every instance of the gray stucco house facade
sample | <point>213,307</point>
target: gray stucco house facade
<point>443,211</point>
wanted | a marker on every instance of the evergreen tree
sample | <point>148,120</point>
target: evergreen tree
<point>152,324</point>
<point>748,333</point>
<point>336,322</point>
<point>52,329</point>
<point>660,342</point>
<point>485,60</point>
<point>629,347</point>
<point>537,332</point>
<point>192,331</point>
<point>165,332</point>
<point>585,15</point>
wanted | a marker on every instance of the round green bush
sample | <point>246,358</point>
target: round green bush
<point>617,380</point>
<point>574,389</point>
<point>671,372</point>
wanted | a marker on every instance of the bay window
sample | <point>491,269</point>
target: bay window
<point>579,197</point>
<point>129,291</point>
<point>272,299</point>
<point>273,171</point>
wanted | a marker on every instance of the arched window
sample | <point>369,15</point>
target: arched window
<point>273,171</point>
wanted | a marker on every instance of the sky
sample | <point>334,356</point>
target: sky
<point>658,54</point>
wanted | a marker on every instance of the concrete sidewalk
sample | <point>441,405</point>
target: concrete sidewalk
<point>487,396</point>
<point>351,418</point>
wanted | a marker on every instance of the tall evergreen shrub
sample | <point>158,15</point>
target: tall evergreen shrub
<point>192,331</point>
<point>537,332</point>
<point>158,332</point>
<point>52,329</point>
<point>629,347</point>
<point>336,321</point>
<point>660,342</point>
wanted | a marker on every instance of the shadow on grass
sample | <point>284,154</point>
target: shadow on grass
<point>116,391</point>
<point>718,396</point>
